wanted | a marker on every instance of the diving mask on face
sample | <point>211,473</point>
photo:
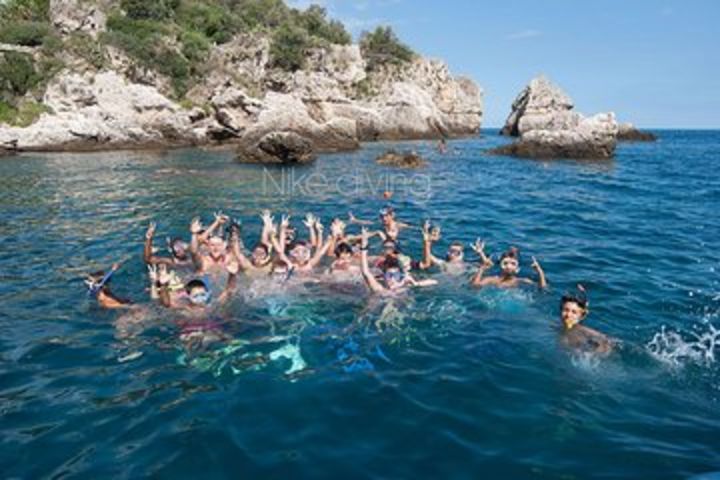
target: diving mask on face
<point>200,298</point>
<point>394,276</point>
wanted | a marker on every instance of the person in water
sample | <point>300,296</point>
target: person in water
<point>454,260</point>
<point>217,258</point>
<point>574,309</point>
<point>179,250</point>
<point>299,257</point>
<point>394,280</point>
<point>98,287</point>
<point>390,225</point>
<point>509,270</point>
<point>260,261</point>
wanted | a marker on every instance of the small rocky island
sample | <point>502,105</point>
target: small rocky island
<point>547,126</point>
<point>278,82</point>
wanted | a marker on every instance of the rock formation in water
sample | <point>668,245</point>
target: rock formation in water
<point>543,118</point>
<point>391,158</point>
<point>334,101</point>
<point>628,133</point>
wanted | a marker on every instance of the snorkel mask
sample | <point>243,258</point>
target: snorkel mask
<point>393,277</point>
<point>198,298</point>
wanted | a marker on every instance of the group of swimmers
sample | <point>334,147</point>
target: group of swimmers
<point>179,280</point>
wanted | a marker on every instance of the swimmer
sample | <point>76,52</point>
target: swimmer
<point>180,255</point>
<point>299,257</point>
<point>454,260</point>
<point>442,145</point>
<point>394,280</point>
<point>217,258</point>
<point>574,308</point>
<point>97,284</point>
<point>345,262</point>
<point>509,269</point>
<point>260,261</point>
<point>197,292</point>
<point>390,225</point>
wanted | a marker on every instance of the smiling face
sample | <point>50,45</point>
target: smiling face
<point>179,249</point>
<point>455,253</point>
<point>393,278</point>
<point>259,256</point>
<point>198,295</point>
<point>572,313</point>
<point>300,253</point>
<point>509,266</point>
<point>217,247</point>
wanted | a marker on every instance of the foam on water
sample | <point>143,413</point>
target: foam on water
<point>676,348</point>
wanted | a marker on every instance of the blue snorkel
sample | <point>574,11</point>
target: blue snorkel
<point>94,288</point>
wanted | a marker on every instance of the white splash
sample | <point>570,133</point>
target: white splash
<point>697,348</point>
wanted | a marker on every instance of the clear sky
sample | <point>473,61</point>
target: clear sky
<point>655,63</point>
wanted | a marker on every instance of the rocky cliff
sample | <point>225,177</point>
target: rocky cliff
<point>335,101</point>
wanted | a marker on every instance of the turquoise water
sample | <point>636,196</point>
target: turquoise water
<point>456,383</point>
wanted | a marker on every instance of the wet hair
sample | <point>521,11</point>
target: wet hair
<point>173,243</point>
<point>297,243</point>
<point>195,284</point>
<point>262,246</point>
<point>457,244</point>
<point>390,263</point>
<point>578,296</point>
<point>341,248</point>
<point>511,252</point>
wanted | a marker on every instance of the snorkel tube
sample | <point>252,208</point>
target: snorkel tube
<point>95,287</point>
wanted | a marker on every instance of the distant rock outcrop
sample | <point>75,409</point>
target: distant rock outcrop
<point>628,133</point>
<point>542,116</point>
<point>392,158</point>
<point>276,148</point>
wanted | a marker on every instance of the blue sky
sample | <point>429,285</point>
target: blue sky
<point>655,63</point>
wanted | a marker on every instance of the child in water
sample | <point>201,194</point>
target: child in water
<point>573,310</point>
<point>98,287</point>
<point>509,269</point>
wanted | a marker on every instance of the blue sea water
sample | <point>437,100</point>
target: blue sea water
<point>322,381</point>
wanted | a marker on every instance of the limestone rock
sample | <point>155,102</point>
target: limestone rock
<point>542,116</point>
<point>92,111</point>
<point>628,133</point>
<point>392,158</point>
<point>279,147</point>
<point>70,16</point>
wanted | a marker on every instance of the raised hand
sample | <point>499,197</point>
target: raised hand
<point>337,227</point>
<point>195,226</point>
<point>310,220</point>
<point>233,268</point>
<point>536,265</point>
<point>364,237</point>
<point>426,231</point>
<point>152,273</point>
<point>163,275</point>
<point>266,217</point>
<point>221,218</point>
<point>319,226</point>
<point>285,221</point>
<point>150,231</point>
<point>435,234</point>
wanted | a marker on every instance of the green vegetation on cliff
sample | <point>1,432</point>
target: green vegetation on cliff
<point>170,37</point>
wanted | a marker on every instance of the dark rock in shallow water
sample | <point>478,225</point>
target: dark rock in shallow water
<point>628,133</point>
<point>392,158</point>
<point>547,150</point>
<point>276,148</point>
